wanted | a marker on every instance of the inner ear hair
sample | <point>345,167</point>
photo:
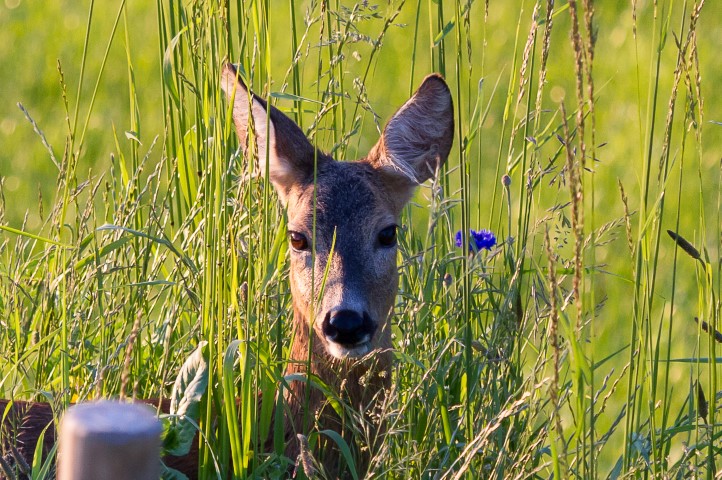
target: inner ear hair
<point>248,109</point>
<point>418,138</point>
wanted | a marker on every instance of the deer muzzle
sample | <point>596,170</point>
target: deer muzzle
<point>349,332</point>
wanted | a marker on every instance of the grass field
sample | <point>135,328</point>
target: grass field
<point>132,230</point>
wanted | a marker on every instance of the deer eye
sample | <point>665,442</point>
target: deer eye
<point>298,241</point>
<point>387,236</point>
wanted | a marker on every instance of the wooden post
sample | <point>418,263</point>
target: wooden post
<point>109,440</point>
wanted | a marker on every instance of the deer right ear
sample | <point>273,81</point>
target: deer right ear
<point>280,145</point>
<point>418,138</point>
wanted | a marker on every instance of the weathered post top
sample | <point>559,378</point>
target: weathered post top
<point>109,440</point>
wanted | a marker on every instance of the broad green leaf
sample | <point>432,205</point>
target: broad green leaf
<point>188,389</point>
<point>345,450</point>
<point>172,474</point>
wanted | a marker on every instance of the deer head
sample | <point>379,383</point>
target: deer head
<point>356,205</point>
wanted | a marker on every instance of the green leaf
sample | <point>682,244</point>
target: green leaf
<point>277,256</point>
<point>33,236</point>
<point>617,470</point>
<point>474,123</point>
<point>191,383</point>
<point>172,474</point>
<point>105,250</point>
<point>187,176</point>
<point>168,67</point>
<point>290,96</point>
<point>703,360</point>
<point>41,470</point>
<point>345,450</point>
<point>318,384</point>
<point>149,283</point>
<point>447,29</point>
<point>162,241</point>
<point>402,357</point>
<point>240,445</point>
<point>188,389</point>
<point>133,136</point>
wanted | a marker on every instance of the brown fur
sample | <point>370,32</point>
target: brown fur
<point>352,202</point>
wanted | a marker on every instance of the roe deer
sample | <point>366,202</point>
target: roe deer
<point>357,210</point>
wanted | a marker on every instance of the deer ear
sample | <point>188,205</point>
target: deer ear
<point>280,145</point>
<point>418,138</point>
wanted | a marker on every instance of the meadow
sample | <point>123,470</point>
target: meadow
<point>582,345</point>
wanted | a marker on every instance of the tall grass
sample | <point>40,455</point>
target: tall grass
<point>568,350</point>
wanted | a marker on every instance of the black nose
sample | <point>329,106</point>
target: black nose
<point>348,327</point>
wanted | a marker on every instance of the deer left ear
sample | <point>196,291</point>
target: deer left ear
<point>248,110</point>
<point>418,138</point>
<point>280,144</point>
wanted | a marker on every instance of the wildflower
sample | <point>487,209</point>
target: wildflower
<point>477,240</point>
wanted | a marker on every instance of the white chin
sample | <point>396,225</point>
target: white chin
<point>341,351</point>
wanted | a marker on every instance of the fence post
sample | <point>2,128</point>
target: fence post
<point>109,440</point>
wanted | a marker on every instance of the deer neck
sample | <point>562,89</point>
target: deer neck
<point>355,381</point>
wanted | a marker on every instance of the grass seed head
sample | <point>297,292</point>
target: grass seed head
<point>684,245</point>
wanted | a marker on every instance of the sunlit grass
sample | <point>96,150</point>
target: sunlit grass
<point>569,349</point>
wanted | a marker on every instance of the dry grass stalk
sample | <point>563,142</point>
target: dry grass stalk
<point>696,85</point>
<point>306,457</point>
<point>526,56</point>
<point>579,74</point>
<point>7,469</point>
<point>554,338</point>
<point>548,24</point>
<point>588,66</point>
<point>680,68</point>
<point>627,218</point>
<point>125,376</point>
<point>577,201</point>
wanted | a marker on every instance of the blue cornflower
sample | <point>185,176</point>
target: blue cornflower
<point>477,240</point>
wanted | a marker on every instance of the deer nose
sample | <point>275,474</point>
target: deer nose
<point>348,327</point>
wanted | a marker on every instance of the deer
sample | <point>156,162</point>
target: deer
<point>344,281</point>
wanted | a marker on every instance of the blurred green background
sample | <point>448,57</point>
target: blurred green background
<point>36,37</point>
